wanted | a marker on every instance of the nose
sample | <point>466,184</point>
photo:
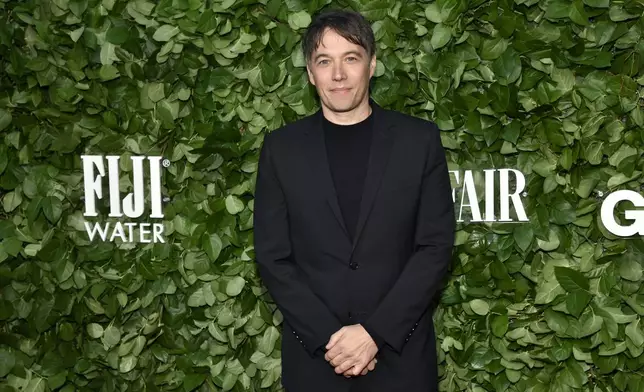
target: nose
<point>338,72</point>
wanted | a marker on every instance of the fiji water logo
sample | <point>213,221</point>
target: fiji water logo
<point>132,205</point>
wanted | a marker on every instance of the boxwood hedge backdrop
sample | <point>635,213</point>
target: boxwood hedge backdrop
<point>553,88</point>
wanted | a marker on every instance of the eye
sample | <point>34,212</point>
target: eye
<point>322,62</point>
<point>351,58</point>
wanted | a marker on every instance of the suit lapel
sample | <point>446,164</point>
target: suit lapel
<point>316,155</point>
<point>380,148</point>
<point>381,143</point>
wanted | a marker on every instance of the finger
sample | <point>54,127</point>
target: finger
<point>343,358</point>
<point>336,354</point>
<point>344,366</point>
<point>334,339</point>
<point>330,355</point>
<point>372,365</point>
<point>349,373</point>
<point>364,372</point>
<point>357,369</point>
<point>336,350</point>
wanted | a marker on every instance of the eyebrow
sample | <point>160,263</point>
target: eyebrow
<point>344,54</point>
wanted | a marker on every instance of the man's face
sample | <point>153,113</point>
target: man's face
<point>340,71</point>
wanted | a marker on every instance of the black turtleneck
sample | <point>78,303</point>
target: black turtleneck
<point>347,148</point>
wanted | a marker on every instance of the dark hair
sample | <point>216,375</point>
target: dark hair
<point>351,25</point>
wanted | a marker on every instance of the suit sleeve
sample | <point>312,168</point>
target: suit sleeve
<point>312,322</point>
<point>399,312</point>
<point>374,336</point>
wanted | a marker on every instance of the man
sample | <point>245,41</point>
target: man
<point>354,227</point>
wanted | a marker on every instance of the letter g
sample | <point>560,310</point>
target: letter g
<point>608,209</point>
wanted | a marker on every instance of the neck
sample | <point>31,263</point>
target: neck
<point>354,116</point>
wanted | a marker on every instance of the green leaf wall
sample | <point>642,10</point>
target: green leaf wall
<point>553,88</point>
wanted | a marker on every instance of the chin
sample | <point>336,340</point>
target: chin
<point>341,106</point>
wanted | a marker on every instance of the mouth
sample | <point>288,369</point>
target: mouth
<point>340,90</point>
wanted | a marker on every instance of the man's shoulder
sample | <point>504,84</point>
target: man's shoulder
<point>291,130</point>
<point>412,124</point>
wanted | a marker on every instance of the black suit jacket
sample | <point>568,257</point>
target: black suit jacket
<point>385,278</point>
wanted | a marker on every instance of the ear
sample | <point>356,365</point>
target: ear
<point>372,66</point>
<point>310,74</point>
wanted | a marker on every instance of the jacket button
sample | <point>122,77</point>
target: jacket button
<point>353,265</point>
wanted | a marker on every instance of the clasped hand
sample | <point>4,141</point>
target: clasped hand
<point>351,351</point>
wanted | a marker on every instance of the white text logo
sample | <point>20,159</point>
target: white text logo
<point>608,217</point>
<point>505,196</point>
<point>132,205</point>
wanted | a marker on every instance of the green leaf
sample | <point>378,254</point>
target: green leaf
<point>376,9</point>
<point>165,33</point>
<point>618,14</point>
<point>595,152</point>
<point>633,331</point>
<point>547,291</point>
<point>571,280</point>
<point>5,119</point>
<point>7,361</point>
<point>507,68</point>
<point>197,298</point>
<point>52,207</point>
<point>36,384</point>
<point>108,72</point>
<point>578,14</point>
<point>523,236</point>
<point>154,91</point>
<point>64,270</point>
<point>479,307</point>
<point>619,316</point>
<point>111,335</point>
<point>630,269</point>
<point>576,302</point>
<point>235,286</point>
<point>267,342</point>
<point>212,245</point>
<point>590,323</point>
<point>95,330</point>
<point>565,160</point>
<point>441,36</point>
<point>573,375</point>
<point>622,153</point>
<point>299,20</point>
<point>499,325</point>
<point>563,212</point>
<point>127,363</point>
<point>4,158</point>
<point>598,3</point>
<point>493,49</point>
<point>556,321</point>
<point>11,201</point>
<point>234,205</point>
<point>557,9</point>
<point>433,13</point>
<point>117,35</point>
<point>618,348</point>
<point>192,381</point>
<point>551,243</point>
